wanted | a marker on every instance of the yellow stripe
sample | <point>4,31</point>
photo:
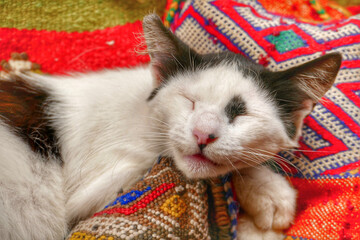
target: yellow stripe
<point>71,16</point>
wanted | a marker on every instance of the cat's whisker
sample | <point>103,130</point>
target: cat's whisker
<point>192,60</point>
<point>275,165</point>
<point>293,165</point>
<point>173,56</point>
<point>303,150</point>
<point>155,133</point>
<point>156,119</point>
<point>248,161</point>
<point>279,159</point>
<point>266,159</point>
<point>232,165</point>
<point>258,159</point>
<point>255,154</point>
<point>270,161</point>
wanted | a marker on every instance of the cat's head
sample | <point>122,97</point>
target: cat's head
<point>218,112</point>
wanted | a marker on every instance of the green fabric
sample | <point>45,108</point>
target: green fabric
<point>74,15</point>
<point>286,41</point>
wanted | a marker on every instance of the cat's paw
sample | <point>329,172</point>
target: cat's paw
<point>273,212</point>
<point>267,198</point>
<point>247,230</point>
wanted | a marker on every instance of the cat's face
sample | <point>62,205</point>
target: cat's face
<point>218,119</point>
<point>221,112</point>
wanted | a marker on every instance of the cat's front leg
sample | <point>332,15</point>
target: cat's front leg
<point>269,202</point>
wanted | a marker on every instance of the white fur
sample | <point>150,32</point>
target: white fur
<point>32,203</point>
<point>103,121</point>
<point>110,135</point>
<point>269,201</point>
<point>247,230</point>
<point>250,140</point>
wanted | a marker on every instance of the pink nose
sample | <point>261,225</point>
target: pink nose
<point>204,138</point>
<point>206,128</point>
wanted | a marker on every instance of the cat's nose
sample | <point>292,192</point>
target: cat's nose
<point>203,139</point>
<point>206,129</point>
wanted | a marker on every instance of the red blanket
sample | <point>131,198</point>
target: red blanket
<point>326,167</point>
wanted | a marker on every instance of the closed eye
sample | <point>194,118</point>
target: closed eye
<point>191,100</point>
<point>234,108</point>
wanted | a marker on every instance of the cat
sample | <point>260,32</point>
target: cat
<point>69,144</point>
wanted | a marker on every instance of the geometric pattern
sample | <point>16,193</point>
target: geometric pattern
<point>286,41</point>
<point>164,186</point>
<point>165,205</point>
<point>329,153</point>
<point>331,135</point>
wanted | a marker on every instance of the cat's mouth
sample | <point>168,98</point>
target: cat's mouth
<point>200,158</point>
<point>201,166</point>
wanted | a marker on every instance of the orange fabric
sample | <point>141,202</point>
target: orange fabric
<point>337,201</point>
<point>307,10</point>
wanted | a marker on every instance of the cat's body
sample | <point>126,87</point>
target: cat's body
<point>92,135</point>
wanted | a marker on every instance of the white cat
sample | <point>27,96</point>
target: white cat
<point>68,144</point>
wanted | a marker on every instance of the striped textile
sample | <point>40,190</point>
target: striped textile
<point>327,167</point>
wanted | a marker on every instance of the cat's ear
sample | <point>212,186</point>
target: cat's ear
<point>316,77</point>
<point>301,87</point>
<point>168,53</point>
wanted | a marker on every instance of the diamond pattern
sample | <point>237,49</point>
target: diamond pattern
<point>332,133</point>
<point>285,41</point>
<point>326,169</point>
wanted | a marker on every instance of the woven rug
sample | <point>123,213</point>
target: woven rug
<point>326,168</point>
<point>85,40</point>
<point>75,16</point>
<point>328,180</point>
<point>308,11</point>
<point>68,36</point>
<point>166,205</point>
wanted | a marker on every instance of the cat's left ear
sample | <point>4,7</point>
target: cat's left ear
<point>314,78</point>
<point>167,52</point>
<point>300,88</point>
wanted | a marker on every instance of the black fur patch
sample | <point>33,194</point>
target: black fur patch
<point>280,85</point>
<point>287,95</point>
<point>189,61</point>
<point>234,108</point>
<point>22,108</point>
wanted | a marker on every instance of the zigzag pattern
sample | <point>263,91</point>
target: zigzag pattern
<point>166,205</point>
<point>331,135</point>
<point>328,160</point>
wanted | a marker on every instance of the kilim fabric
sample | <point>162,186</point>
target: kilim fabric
<point>326,167</point>
<point>71,36</point>
<point>163,197</point>
<point>88,37</point>
<point>71,16</point>
<point>84,40</point>
<point>63,52</point>
<point>164,205</point>
<point>307,10</point>
<point>172,11</point>
<point>18,63</point>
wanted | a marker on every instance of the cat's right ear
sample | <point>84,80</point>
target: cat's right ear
<point>168,53</point>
